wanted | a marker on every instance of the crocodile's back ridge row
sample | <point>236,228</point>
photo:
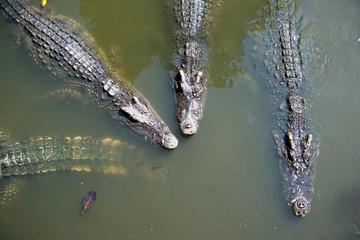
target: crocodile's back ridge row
<point>37,155</point>
<point>57,42</point>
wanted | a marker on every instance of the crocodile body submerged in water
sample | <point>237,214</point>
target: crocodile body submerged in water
<point>190,26</point>
<point>78,154</point>
<point>63,46</point>
<point>283,39</point>
<point>40,155</point>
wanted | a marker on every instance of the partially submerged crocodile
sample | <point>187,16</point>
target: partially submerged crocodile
<point>297,147</point>
<point>79,154</point>
<point>193,18</point>
<point>40,155</point>
<point>63,46</point>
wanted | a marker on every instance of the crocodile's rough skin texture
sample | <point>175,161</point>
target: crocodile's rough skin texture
<point>61,45</point>
<point>39,155</point>
<point>297,146</point>
<point>190,25</point>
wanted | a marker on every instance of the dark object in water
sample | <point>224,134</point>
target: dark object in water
<point>89,200</point>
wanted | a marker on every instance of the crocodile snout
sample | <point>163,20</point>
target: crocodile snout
<point>300,206</point>
<point>169,141</point>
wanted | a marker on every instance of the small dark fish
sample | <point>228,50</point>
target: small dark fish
<point>89,200</point>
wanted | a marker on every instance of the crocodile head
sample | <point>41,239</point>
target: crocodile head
<point>189,89</point>
<point>298,152</point>
<point>300,206</point>
<point>299,160</point>
<point>137,113</point>
<point>142,116</point>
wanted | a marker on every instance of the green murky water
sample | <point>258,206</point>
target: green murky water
<point>224,182</point>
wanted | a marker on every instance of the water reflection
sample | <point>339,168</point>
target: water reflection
<point>230,28</point>
<point>130,44</point>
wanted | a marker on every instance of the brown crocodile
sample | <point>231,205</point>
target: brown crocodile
<point>61,45</point>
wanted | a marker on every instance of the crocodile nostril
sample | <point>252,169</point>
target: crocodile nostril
<point>188,125</point>
<point>170,141</point>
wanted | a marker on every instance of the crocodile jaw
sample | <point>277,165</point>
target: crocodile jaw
<point>189,125</point>
<point>189,115</point>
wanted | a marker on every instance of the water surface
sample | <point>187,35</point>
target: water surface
<point>222,183</point>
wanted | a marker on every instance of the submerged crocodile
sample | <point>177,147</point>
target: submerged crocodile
<point>79,154</point>
<point>297,146</point>
<point>63,46</point>
<point>193,18</point>
<point>40,155</point>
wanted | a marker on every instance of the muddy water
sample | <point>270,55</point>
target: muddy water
<point>224,182</point>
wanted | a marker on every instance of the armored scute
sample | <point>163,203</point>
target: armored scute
<point>190,25</point>
<point>296,143</point>
<point>38,155</point>
<point>63,46</point>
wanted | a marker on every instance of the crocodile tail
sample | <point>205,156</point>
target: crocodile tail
<point>4,137</point>
<point>10,189</point>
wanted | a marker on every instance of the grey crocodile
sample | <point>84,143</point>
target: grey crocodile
<point>193,18</point>
<point>63,46</point>
<point>296,143</point>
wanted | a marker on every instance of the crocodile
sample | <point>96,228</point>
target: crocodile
<point>44,155</point>
<point>41,155</point>
<point>189,78</point>
<point>297,146</point>
<point>61,45</point>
